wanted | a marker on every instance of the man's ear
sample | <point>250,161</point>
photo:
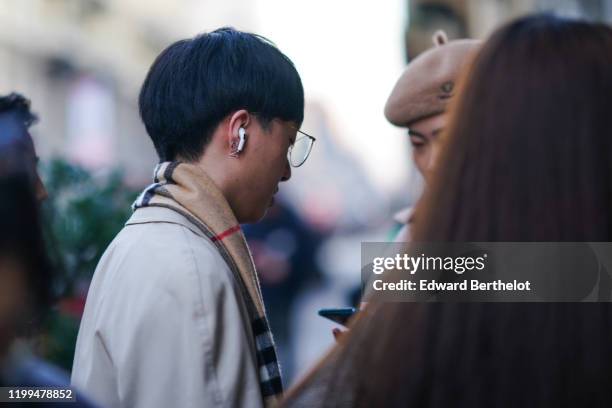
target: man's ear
<point>238,120</point>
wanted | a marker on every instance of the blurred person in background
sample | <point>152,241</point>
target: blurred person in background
<point>526,157</point>
<point>18,171</point>
<point>284,249</point>
<point>26,273</point>
<point>419,102</point>
<point>25,289</point>
<point>16,145</point>
<point>174,314</point>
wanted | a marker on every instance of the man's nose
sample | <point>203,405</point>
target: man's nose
<point>287,173</point>
<point>432,157</point>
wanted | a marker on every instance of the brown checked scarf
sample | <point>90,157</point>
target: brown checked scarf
<point>186,189</point>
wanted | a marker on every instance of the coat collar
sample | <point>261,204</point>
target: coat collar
<point>147,215</point>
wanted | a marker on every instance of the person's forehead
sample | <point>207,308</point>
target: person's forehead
<point>14,131</point>
<point>430,124</point>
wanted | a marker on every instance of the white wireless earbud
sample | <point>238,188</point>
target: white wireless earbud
<point>242,141</point>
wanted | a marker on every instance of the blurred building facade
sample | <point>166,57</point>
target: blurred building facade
<point>82,62</point>
<point>477,18</point>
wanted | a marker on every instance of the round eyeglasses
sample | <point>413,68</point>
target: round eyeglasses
<point>300,149</point>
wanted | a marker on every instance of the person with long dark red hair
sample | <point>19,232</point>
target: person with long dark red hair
<point>527,157</point>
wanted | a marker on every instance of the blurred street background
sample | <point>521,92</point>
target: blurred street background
<point>82,62</point>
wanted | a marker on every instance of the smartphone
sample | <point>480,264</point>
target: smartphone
<point>340,315</point>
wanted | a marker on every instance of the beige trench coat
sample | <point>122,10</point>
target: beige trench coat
<point>165,324</point>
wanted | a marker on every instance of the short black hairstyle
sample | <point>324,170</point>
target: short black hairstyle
<point>195,83</point>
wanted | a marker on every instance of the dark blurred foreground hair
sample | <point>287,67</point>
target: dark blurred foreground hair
<point>21,240</point>
<point>195,83</point>
<point>528,157</point>
<point>18,104</point>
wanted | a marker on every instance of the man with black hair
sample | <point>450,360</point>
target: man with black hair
<point>174,314</point>
<point>16,146</point>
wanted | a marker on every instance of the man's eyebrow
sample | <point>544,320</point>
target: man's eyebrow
<point>415,133</point>
<point>437,131</point>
